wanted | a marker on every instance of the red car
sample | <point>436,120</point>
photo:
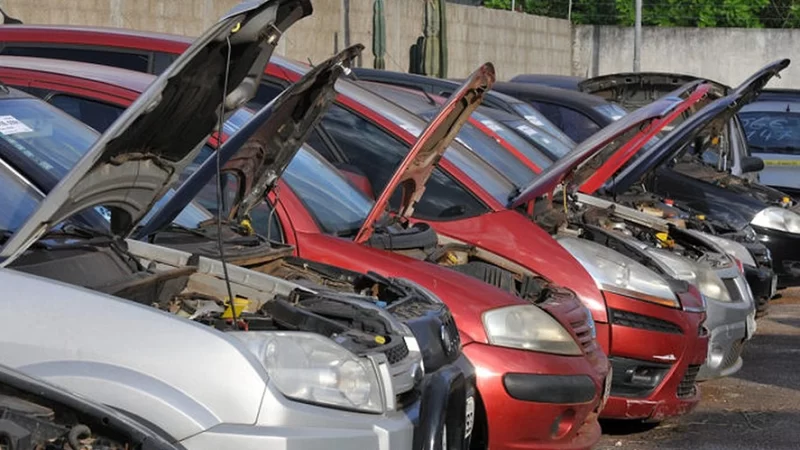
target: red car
<point>466,201</point>
<point>92,93</point>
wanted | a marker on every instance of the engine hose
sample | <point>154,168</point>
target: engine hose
<point>76,433</point>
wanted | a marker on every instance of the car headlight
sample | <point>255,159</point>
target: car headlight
<point>527,327</point>
<point>615,272</point>
<point>312,368</point>
<point>706,280</point>
<point>730,247</point>
<point>779,219</point>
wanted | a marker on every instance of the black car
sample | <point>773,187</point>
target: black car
<point>557,81</point>
<point>577,114</point>
<point>673,167</point>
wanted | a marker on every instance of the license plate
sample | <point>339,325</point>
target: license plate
<point>751,325</point>
<point>774,287</point>
<point>469,419</point>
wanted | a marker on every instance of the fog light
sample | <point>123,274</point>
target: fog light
<point>716,354</point>
<point>644,376</point>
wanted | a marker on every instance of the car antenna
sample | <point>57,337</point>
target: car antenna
<point>221,124</point>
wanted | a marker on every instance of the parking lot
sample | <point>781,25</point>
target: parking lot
<point>759,407</point>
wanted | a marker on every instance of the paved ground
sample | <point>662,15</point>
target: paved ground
<point>758,408</point>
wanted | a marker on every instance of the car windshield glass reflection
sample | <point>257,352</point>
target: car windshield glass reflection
<point>338,207</point>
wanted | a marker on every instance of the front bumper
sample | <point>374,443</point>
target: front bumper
<point>785,249</point>
<point>730,325</point>
<point>534,400</point>
<point>284,424</point>
<point>656,353</point>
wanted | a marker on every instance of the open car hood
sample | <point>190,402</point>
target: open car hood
<point>134,162</point>
<point>260,151</point>
<point>416,168</point>
<point>709,121</point>
<point>634,90</point>
<point>623,136</point>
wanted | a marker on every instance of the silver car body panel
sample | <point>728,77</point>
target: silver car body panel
<point>197,384</point>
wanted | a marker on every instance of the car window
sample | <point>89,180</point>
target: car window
<point>772,132</point>
<point>17,199</point>
<point>531,115</point>
<point>376,153</point>
<point>265,94</point>
<point>161,61</point>
<point>611,110</point>
<point>97,115</point>
<point>574,124</point>
<point>515,140</point>
<point>337,206</point>
<point>108,57</point>
<point>42,139</point>
<point>550,145</point>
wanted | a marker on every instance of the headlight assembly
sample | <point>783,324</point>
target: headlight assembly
<point>311,368</point>
<point>615,272</point>
<point>527,327</point>
<point>732,248</point>
<point>778,219</point>
<point>706,280</point>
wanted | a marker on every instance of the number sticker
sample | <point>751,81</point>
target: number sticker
<point>10,125</point>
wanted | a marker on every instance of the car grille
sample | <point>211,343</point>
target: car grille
<point>633,320</point>
<point>450,325</point>
<point>687,387</point>
<point>733,289</point>
<point>584,335</point>
<point>633,378</point>
<point>733,354</point>
<point>396,353</point>
<point>564,305</point>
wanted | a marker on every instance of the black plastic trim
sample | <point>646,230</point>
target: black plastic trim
<point>563,389</point>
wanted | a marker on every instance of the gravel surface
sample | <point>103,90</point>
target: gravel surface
<point>757,408</point>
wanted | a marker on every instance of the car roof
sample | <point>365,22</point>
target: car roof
<point>127,79</point>
<point>547,93</point>
<point>89,29</point>
<point>559,81</point>
<point>780,95</point>
<point>791,106</point>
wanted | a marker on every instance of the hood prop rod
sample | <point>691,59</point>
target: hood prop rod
<point>231,300</point>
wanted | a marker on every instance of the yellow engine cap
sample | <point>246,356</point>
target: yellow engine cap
<point>240,303</point>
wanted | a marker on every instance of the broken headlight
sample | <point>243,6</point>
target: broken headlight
<point>311,368</point>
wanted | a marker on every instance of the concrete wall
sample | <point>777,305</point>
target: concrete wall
<point>516,43</point>
<point>728,55</point>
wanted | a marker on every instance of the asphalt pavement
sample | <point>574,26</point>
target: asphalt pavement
<point>757,408</point>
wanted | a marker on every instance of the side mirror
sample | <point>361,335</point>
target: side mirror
<point>752,164</point>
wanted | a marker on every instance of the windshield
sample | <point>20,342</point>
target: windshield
<point>611,110</point>
<point>42,143</point>
<point>237,120</point>
<point>536,118</point>
<point>40,140</point>
<point>491,152</point>
<point>336,205</point>
<point>516,140</point>
<point>772,132</point>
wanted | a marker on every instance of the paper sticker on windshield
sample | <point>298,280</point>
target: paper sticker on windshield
<point>534,120</point>
<point>492,125</point>
<point>10,125</point>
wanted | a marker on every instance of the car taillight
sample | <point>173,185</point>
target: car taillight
<point>739,265</point>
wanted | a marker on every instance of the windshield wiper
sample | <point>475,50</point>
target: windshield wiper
<point>77,231</point>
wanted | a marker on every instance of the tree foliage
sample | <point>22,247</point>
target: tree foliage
<point>667,13</point>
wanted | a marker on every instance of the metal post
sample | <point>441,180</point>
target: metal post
<point>637,38</point>
<point>569,11</point>
<point>512,5</point>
